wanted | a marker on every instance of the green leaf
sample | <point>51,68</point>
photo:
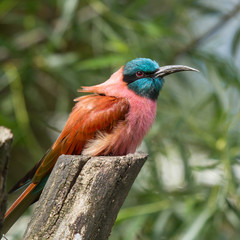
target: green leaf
<point>235,42</point>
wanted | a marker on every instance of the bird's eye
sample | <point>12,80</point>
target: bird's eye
<point>139,74</point>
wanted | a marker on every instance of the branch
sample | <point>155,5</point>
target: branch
<point>197,41</point>
<point>5,143</point>
<point>83,196</point>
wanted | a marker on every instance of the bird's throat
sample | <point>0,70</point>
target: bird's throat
<point>147,87</point>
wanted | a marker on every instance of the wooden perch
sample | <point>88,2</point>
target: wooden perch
<point>83,196</point>
<point>5,143</point>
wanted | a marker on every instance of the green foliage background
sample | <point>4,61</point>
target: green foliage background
<point>189,188</point>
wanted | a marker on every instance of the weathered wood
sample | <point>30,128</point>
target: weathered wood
<point>5,143</point>
<point>83,196</point>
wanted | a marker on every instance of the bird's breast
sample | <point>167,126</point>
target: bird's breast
<point>128,134</point>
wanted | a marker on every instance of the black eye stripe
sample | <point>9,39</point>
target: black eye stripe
<point>132,78</point>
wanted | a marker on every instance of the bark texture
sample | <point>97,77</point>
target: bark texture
<point>83,196</point>
<point>5,143</point>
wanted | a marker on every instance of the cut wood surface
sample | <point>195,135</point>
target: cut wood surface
<point>83,196</point>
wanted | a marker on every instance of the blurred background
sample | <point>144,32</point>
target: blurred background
<point>189,188</point>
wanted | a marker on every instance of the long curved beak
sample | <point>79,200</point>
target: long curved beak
<point>166,70</point>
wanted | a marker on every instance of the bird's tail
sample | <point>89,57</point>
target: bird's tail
<point>19,206</point>
<point>32,192</point>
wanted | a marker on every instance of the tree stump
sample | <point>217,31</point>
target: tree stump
<point>5,143</point>
<point>83,196</point>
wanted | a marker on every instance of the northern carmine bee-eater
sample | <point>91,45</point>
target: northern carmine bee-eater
<point>111,121</point>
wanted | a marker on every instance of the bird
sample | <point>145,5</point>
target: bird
<point>111,120</point>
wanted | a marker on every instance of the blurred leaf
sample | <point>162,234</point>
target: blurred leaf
<point>68,10</point>
<point>235,42</point>
<point>141,210</point>
<point>195,229</point>
<point>98,63</point>
<point>6,6</point>
<point>206,9</point>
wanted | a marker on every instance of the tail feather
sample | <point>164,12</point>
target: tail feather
<point>29,176</point>
<point>19,206</point>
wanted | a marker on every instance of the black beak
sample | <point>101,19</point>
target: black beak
<point>166,70</point>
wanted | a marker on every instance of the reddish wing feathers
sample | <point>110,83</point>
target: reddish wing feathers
<point>91,114</point>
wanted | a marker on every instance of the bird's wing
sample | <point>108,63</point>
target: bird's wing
<point>91,114</point>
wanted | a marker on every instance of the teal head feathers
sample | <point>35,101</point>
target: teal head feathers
<point>145,77</point>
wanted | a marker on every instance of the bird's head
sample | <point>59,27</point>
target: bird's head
<point>145,77</point>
